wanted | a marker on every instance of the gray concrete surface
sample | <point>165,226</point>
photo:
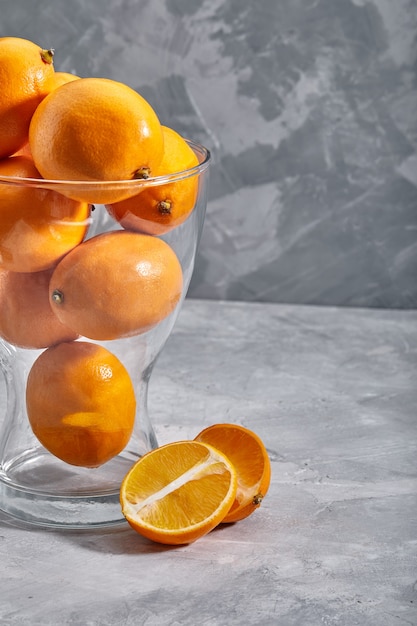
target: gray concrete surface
<point>332,392</point>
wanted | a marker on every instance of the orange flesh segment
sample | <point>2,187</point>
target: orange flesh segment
<point>180,492</point>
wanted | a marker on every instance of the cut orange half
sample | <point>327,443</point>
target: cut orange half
<point>250,458</point>
<point>177,493</point>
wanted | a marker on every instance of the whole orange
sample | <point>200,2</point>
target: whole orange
<point>116,284</point>
<point>159,208</point>
<point>95,129</point>
<point>26,77</point>
<point>61,78</point>
<point>81,403</point>
<point>26,316</point>
<point>37,226</point>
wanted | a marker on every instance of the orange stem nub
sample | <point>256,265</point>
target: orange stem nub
<point>47,56</point>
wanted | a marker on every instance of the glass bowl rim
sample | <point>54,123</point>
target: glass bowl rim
<point>130,184</point>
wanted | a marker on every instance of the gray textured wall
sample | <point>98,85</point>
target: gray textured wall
<point>310,110</point>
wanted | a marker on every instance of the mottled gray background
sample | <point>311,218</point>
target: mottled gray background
<point>310,110</point>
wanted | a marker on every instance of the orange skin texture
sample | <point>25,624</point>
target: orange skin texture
<point>148,211</point>
<point>24,151</point>
<point>37,226</point>
<point>248,454</point>
<point>61,78</point>
<point>26,316</point>
<point>25,80</point>
<point>95,129</point>
<point>81,403</point>
<point>116,284</point>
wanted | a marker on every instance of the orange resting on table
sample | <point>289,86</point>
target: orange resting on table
<point>26,316</point>
<point>177,493</point>
<point>95,129</point>
<point>249,456</point>
<point>81,403</point>
<point>116,284</point>
<point>37,226</point>
<point>26,77</point>
<point>157,209</point>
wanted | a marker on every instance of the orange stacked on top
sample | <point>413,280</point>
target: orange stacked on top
<point>156,210</point>
<point>26,77</point>
<point>95,129</point>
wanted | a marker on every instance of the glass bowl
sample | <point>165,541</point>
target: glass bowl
<point>36,486</point>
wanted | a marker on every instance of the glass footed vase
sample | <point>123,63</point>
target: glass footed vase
<point>36,486</point>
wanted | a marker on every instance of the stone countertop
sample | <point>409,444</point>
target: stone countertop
<point>332,392</point>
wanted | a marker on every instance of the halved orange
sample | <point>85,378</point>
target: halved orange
<point>250,458</point>
<point>178,492</point>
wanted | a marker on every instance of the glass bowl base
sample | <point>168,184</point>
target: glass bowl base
<point>77,498</point>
